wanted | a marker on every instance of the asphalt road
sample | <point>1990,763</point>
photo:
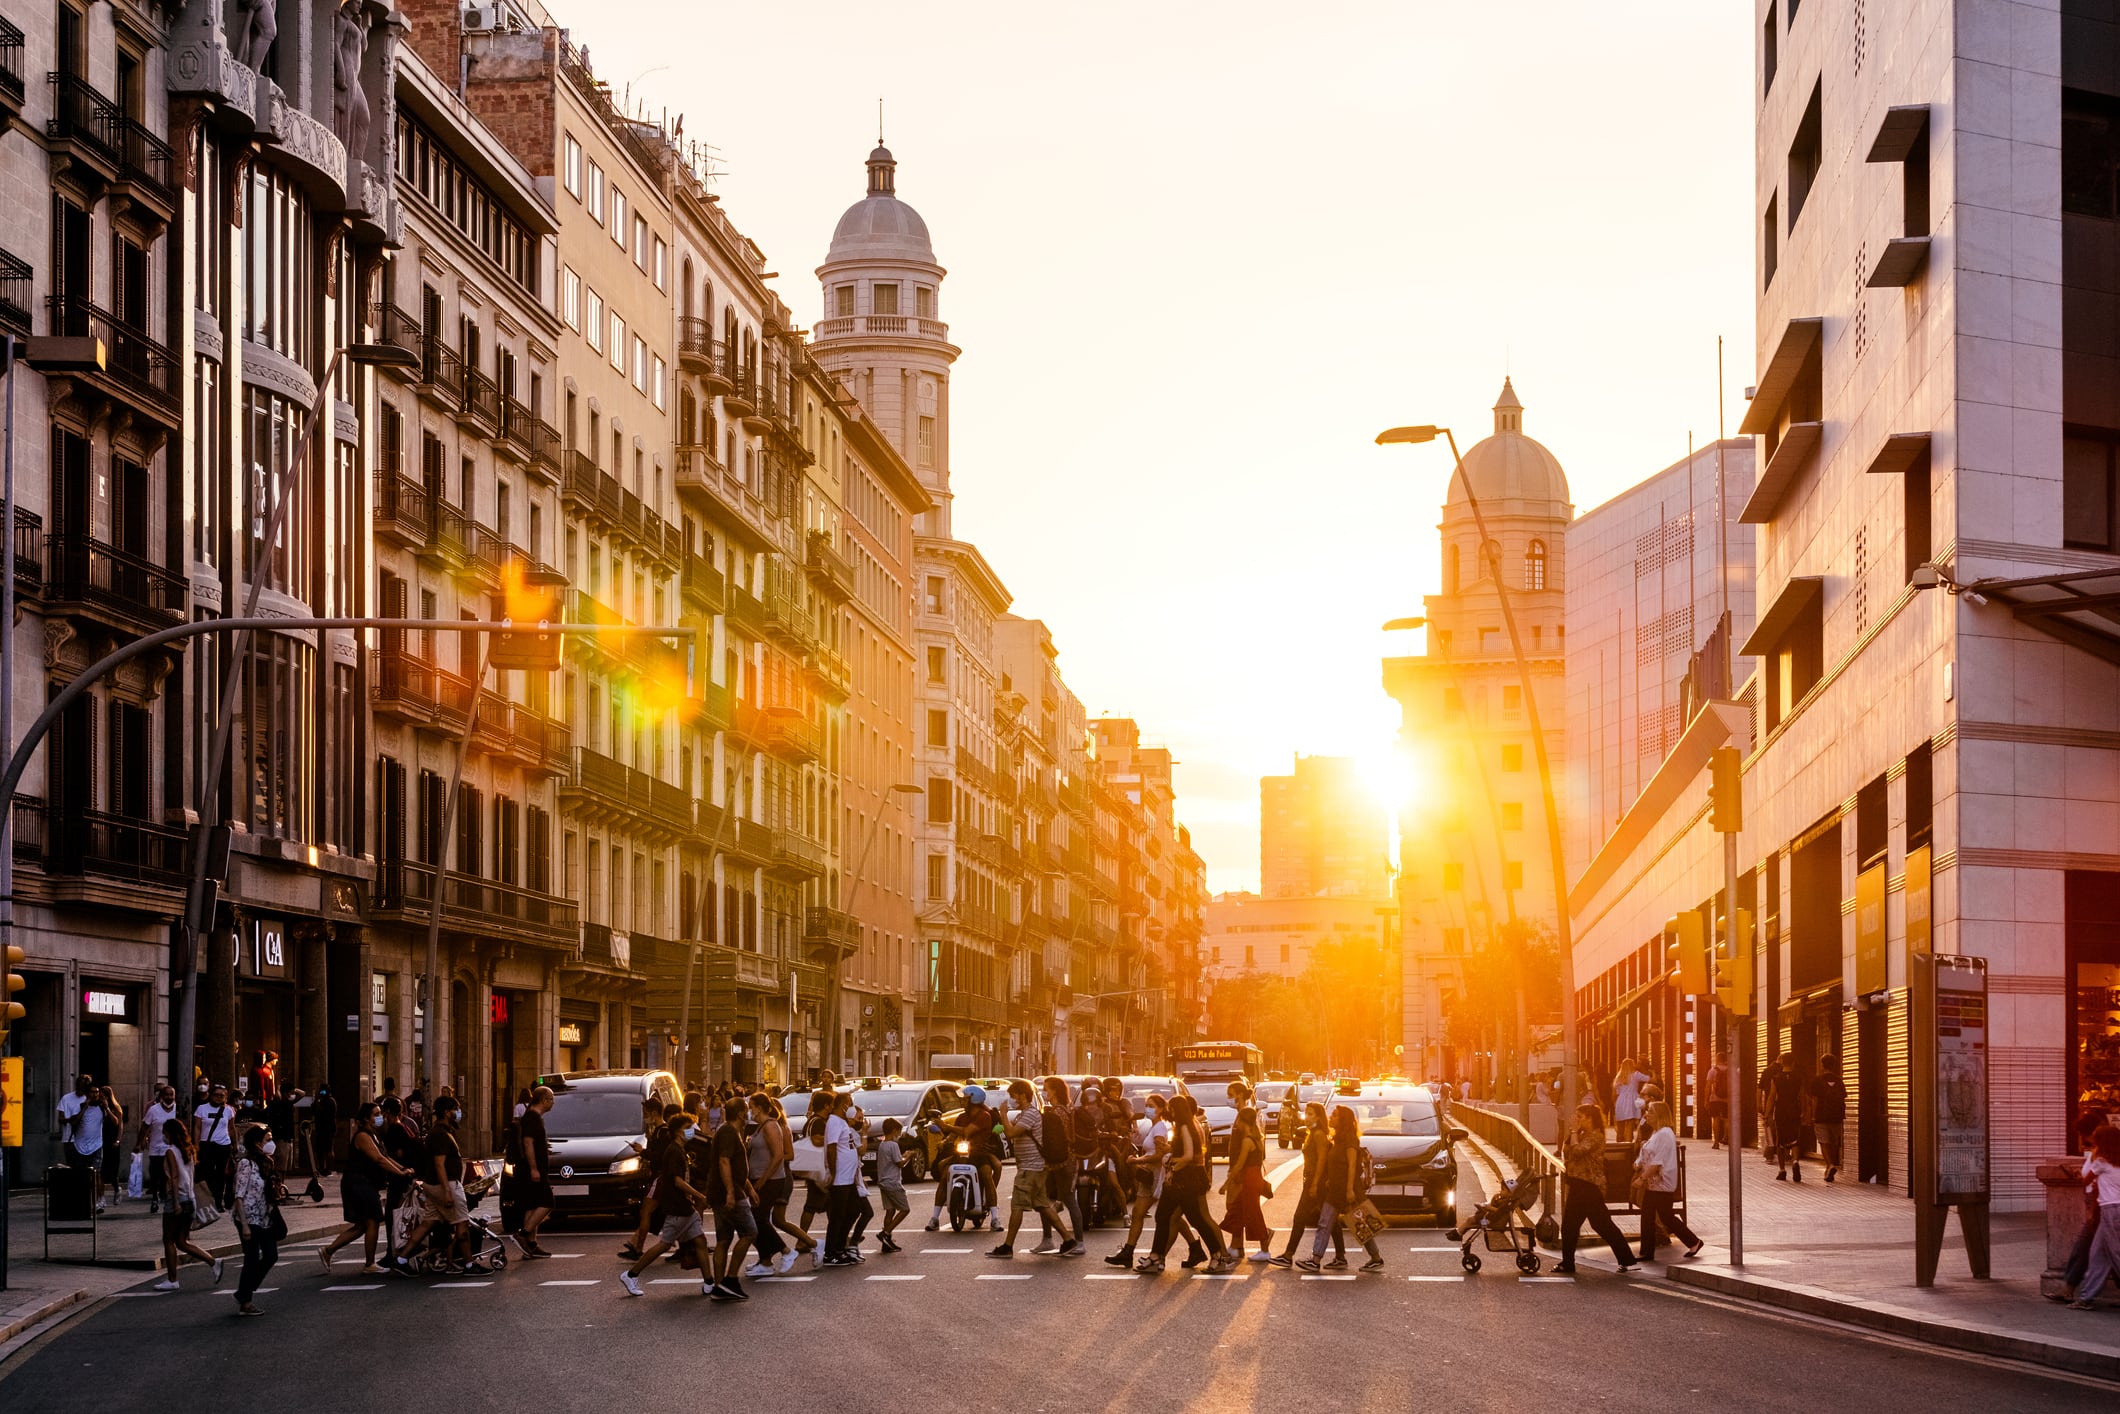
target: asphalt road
<point>1041,1333</point>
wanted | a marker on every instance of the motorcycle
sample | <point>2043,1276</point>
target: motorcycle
<point>1098,1189</point>
<point>968,1201</point>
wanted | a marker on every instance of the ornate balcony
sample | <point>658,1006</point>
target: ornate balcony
<point>146,175</point>
<point>442,373</point>
<point>404,892</point>
<point>698,351</point>
<point>11,89</point>
<point>834,678</point>
<point>17,279</point>
<point>712,707</point>
<point>745,612</point>
<point>399,331</point>
<point>827,568</point>
<point>93,856</point>
<point>968,1007</point>
<point>482,401</point>
<point>102,584</point>
<point>740,400</point>
<point>796,856</point>
<point>704,588</point>
<point>830,935</point>
<point>138,371</point>
<point>401,512</point>
<point>781,731</point>
<point>86,132</point>
<point>698,470</point>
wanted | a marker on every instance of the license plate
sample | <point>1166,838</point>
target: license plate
<point>570,1190</point>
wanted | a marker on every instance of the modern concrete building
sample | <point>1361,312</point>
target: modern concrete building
<point>1473,849</point>
<point>1646,594</point>
<point>1322,831</point>
<point>1932,769</point>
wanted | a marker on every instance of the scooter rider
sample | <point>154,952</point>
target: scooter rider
<point>976,1126</point>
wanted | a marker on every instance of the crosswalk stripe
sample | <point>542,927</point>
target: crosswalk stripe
<point>777,1280</point>
<point>897,1278</point>
<point>567,1256</point>
<point>1112,1276</point>
<point>945,1251</point>
<point>373,1286</point>
<point>1308,1277</point>
<point>591,1282</point>
<point>1221,1276</point>
<point>1001,1276</point>
<point>675,1281</point>
<point>458,1285</point>
<point>1463,1278</point>
<point>1559,1279</point>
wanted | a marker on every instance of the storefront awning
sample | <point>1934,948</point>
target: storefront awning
<point>2081,609</point>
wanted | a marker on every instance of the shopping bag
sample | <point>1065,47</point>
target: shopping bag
<point>1366,1222</point>
<point>136,1180</point>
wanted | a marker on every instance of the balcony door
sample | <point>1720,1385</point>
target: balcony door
<point>128,532</point>
<point>70,287</point>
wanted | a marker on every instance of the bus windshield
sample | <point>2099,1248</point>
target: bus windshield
<point>1218,1060</point>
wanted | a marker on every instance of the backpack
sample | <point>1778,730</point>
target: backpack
<point>1056,1137</point>
<point>1365,1170</point>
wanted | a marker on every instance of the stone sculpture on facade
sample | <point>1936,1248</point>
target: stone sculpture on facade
<point>350,112</point>
<point>251,36</point>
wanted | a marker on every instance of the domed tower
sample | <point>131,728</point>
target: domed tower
<point>882,329</point>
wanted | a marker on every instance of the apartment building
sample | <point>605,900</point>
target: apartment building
<point>1473,851</point>
<point>1244,934</point>
<point>1322,831</point>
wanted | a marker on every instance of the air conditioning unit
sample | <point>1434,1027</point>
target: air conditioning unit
<point>483,19</point>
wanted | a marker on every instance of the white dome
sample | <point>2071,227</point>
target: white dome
<point>1509,466</point>
<point>880,227</point>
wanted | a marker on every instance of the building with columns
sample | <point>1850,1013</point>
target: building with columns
<point>1473,849</point>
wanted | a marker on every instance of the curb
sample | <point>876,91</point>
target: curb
<point>2079,1358</point>
<point>40,1315</point>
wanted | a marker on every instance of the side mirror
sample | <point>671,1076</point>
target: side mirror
<point>1458,1136</point>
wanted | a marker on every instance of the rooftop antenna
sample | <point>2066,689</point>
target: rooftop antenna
<point>879,122</point>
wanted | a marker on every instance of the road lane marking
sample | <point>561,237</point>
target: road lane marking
<point>781,1279</point>
<point>675,1281</point>
<point>141,1293</point>
<point>896,1278</point>
<point>1466,1277</point>
<point>1091,1276</point>
<point>376,1286</point>
<point>590,1282</point>
<point>1308,1277</point>
<point>566,1256</point>
<point>946,1251</point>
<point>1280,1174</point>
<point>1221,1276</point>
<point>1001,1276</point>
<point>1560,1279</point>
<point>459,1285</point>
<point>1435,1249</point>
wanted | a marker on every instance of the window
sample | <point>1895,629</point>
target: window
<point>662,264</point>
<point>659,378</point>
<point>2087,463</point>
<point>573,166</point>
<point>1770,242</point>
<point>1535,565</point>
<point>1770,54</point>
<point>843,301</point>
<point>1796,663</point>
<point>596,192</point>
<point>593,321</point>
<point>1512,758</point>
<point>1513,815</point>
<point>937,661</point>
<point>924,301</point>
<point>1804,156</point>
<point>934,593</point>
<point>938,727</point>
<point>641,254</point>
<point>618,344</point>
<point>883,299</point>
<point>1453,876</point>
<point>1490,640</point>
<point>2090,150</point>
<point>1512,874</point>
<point>1284,954</point>
<point>1914,488</point>
<point>570,297</point>
<point>640,364</point>
<point>1512,699</point>
<point>1914,188</point>
<point>927,441</point>
<point>618,224</point>
<point>938,879</point>
<point>940,801</point>
<point>1249,960</point>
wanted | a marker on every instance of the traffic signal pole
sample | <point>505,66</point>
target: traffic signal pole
<point>1740,1053</point>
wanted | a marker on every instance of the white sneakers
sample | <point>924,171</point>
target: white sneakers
<point>167,1284</point>
<point>630,1282</point>
<point>1261,1256</point>
<point>758,1269</point>
<point>785,1262</point>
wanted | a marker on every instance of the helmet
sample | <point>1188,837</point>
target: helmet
<point>974,1095</point>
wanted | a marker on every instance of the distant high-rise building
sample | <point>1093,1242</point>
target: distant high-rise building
<point>1321,832</point>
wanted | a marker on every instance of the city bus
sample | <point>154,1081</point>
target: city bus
<point>1216,1063</point>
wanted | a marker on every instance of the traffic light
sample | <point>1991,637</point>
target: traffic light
<point>11,982</point>
<point>530,596</point>
<point>1726,799</point>
<point>1686,952</point>
<point>1733,967</point>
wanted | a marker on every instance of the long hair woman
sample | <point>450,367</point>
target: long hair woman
<point>1146,1161</point>
<point>1341,1189</point>
<point>1658,1163</point>
<point>1242,1217</point>
<point>368,1172</point>
<point>1185,1191</point>
<point>1316,1137</point>
<point>1583,1191</point>
<point>257,1213</point>
<point>177,1163</point>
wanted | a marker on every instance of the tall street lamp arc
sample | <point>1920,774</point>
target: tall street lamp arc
<point>1564,935</point>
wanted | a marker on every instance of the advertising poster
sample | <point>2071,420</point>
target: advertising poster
<point>1961,1083</point>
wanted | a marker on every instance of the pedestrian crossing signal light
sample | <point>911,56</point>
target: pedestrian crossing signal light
<point>1726,800</point>
<point>1733,968</point>
<point>11,982</point>
<point>1686,950</point>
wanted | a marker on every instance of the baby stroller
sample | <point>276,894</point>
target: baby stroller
<point>1505,1221</point>
<point>485,1251</point>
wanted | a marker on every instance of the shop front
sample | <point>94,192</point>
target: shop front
<point>2093,928</point>
<point>265,996</point>
<point>579,1023</point>
<point>113,1037</point>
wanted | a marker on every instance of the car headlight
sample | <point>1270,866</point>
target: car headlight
<point>627,1165</point>
<point>1440,1161</point>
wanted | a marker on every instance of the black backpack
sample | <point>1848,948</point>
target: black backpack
<point>1056,1137</point>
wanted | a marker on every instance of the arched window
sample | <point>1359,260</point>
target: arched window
<point>1535,565</point>
<point>685,284</point>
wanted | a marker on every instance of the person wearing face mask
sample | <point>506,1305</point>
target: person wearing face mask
<point>441,1176</point>
<point>679,1203</point>
<point>368,1173</point>
<point>257,1214</point>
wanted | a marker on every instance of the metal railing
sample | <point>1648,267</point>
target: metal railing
<point>404,886</point>
<point>74,842</point>
<point>142,364</point>
<point>398,330</point>
<point>29,553</point>
<point>83,116</point>
<point>401,508</point>
<point>482,398</point>
<point>17,283</point>
<point>148,161</point>
<point>697,348</point>
<point>124,587</point>
<point>11,61</point>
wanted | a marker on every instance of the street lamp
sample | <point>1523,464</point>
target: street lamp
<point>1564,935</point>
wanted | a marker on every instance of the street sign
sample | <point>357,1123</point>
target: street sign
<point>11,1102</point>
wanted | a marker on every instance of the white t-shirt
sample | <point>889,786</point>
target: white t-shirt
<point>1661,1149</point>
<point>1160,1130</point>
<point>87,1118</point>
<point>2106,1179</point>
<point>840,1138</point>
<point>158,1114</point>
<point>213,1123</point>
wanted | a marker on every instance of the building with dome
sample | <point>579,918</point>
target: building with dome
<point>1473,850</point>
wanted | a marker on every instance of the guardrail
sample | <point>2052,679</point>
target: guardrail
<point>1515,1143</point>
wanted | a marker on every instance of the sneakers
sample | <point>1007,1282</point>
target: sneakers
<point>631,1283</point>
<point>1004,1250</point>
<point>934,1225</point>
<point>1564,1269</point>
<point>370,1269</point>
<point>1796,1172</point>
<point>1338,1263</point>
<point>217,1271</point>
<point>785,1262</point>
<point>1829,1174</point>
<point>715,1291</point>
<point>628,1253</point>
<point>1374,1264</point>
<point>758,1269</point>
<point>1308,1264</point>
<point>1262,1255</point>
<point>888,1244</point>
<point>1284,1263</point>
<point>1072,1249</point>
<point>1224,1263</point>
<point>733,1289</point>
<point>1781,1175</point>
<point>167,1284</point>
<point>1045,1249</point>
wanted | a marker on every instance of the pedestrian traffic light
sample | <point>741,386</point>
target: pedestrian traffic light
<point>1726,801</point>
<point>530,596</point>
<point>11,982</point>
<point>1686,952</point>
<point>1733,967</point>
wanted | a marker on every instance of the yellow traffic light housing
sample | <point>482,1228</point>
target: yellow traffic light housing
<point>11,982</point>
<point>530,596</point>
<point>1733,967</point>
<point>1686,951</point>
<point>1726,799</point>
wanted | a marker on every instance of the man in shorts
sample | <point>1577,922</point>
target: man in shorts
<point>442,1198</point>
<point>533,1171</point>
<point>679,1203</point>
<point>1025,1124</point>
<point>890,1182</point>
<point>734,1200</point>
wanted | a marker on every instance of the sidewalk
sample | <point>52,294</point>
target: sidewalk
<point>1845,1251</point>
<point>128,1248</point>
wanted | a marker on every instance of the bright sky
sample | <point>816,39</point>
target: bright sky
<point>1199,254</point>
